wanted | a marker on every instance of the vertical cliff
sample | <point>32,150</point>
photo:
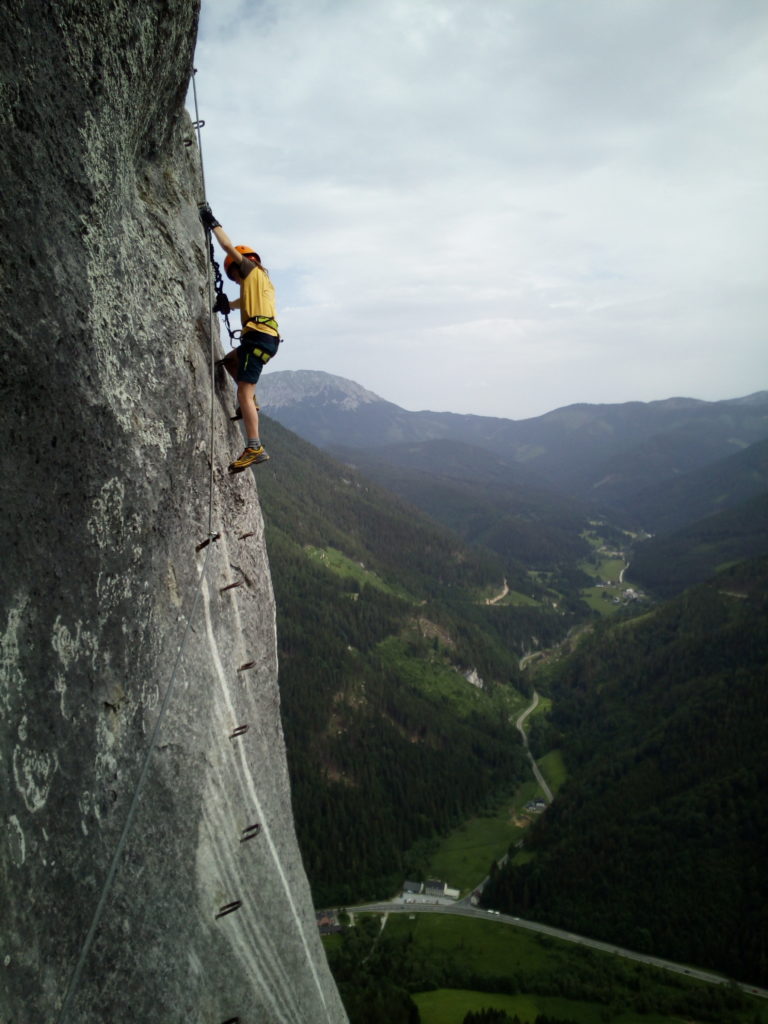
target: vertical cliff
<point>106,414</point>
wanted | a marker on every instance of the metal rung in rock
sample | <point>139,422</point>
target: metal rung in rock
<point>207,541</point>
<point>231,586</point>
<point>229,908</point>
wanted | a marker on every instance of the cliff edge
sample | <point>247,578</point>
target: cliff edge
<point>108,597</point>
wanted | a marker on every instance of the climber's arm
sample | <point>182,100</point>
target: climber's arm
<point>210,222</point>
<point>226,244</point>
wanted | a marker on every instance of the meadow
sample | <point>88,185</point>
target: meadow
<point>464,857</point>
<point>543,975</point>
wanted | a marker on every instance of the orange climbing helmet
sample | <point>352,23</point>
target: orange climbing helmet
<point>246,250</point>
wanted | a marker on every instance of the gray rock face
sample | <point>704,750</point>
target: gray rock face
<point>106,413</point>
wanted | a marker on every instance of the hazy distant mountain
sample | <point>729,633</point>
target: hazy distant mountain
<point>703,492</point>
<point>679,445</point>
<point>489,501</point>
<point>287,388</point>
<point>604,453</point>
<point>330,410</point>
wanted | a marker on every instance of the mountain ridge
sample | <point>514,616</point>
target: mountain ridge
<point>601,453</point>
<point>285,387</point>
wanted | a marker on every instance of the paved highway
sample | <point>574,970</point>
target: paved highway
<point>462,909</point>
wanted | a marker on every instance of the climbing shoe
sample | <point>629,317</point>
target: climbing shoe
<point>250,457</point>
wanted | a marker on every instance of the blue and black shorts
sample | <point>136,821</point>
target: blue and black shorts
<point>255,349</point>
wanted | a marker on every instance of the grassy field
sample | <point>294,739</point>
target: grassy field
<point>493,949</point>
<point>515,597</point>
<point>487,594</point>
<point>600,600</point>
<point>337,562</point>
<point>464,856</point>
<point>450,1005</point>
<point>553,769</point>
<point>609,569</point>
<point>436,679</point>
<point>605,569</point>
<point>442,682</point>
<point>488,947</point>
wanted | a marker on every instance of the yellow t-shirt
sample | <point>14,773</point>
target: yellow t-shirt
<point>257,295</point>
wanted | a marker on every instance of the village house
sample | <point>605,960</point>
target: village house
<point>327,922</point>
<point>434,887</point>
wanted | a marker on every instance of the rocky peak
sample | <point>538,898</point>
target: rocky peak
<point>283,388</point>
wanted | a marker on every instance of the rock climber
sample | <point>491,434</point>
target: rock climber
<point>259,339</point>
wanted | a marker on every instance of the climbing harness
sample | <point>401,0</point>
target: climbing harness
<point>236,336</point>
<point>267,321</point>
<point>250,344</point>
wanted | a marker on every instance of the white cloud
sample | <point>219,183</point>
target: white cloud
<point>499,206</point>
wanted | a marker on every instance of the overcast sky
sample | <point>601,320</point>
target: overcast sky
<point>500,206</point>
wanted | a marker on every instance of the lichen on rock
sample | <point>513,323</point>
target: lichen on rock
<point>106,408</point>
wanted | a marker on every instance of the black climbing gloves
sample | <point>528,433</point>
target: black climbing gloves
<point>206,216</point>
<point>221,305</point>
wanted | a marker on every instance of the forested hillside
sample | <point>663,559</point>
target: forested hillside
<point>381,617</point>
<point>490,502</point>
<point>668,564</point>
<point>657,840</point>
<point>704,492</point>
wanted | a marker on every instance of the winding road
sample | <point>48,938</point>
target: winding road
<point>463,908</point>
<point>502,594</point>
<point>520,726</point>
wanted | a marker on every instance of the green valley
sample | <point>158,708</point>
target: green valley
<point>411,640</point>
<point>398,681</point>
<point>662,725</point>
<point>446,966</point>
